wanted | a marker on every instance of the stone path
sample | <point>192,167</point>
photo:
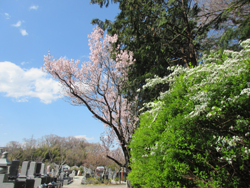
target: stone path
<point>77,184</point>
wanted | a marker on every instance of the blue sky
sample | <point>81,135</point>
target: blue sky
<point>29,103</point>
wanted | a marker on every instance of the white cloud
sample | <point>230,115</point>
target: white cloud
<point>23,63</point>
<point>22,100</point>
<point>23,32</point>
<point>85,137</point>
<point>7,16</point>
<point>18,24</point>
<point>22,84</point>
<point>34,7</point>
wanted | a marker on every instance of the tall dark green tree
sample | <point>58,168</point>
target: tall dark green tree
<point>160,33</point>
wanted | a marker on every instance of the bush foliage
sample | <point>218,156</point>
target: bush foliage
<point>197,133</point>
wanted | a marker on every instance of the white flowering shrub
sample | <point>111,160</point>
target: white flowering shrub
<point>197,134</point>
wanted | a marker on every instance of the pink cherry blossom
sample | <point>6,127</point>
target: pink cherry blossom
<point>97,84</point>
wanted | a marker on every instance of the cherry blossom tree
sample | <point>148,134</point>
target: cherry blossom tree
<point>97,84</point>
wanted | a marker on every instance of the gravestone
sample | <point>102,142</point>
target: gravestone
<point>42,170</point>
<point>32,169</point>
<point>37,174</point>
<point>43,174</point>
<point>13,170</point>
<point>40,177</point>
<point>45,170</point>
<point>24,171</point>
<point>38,169</point>
<point>31,175</point>
<point>21,180</point>
<point>109,174</point>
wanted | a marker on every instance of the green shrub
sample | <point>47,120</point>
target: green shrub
<point>92,180</point>
<point>197,134</point>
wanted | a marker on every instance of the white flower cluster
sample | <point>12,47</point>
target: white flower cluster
<point>152,148</point>
<point>198,110</point>
<point>209,73</point>
<point>247,151</point>
<point>168,79</point>
<point>148,149</point>
<point>231,142</point>
<point>245,91</point>
<point>230,160</point>
<point>222,141</point>
<point>155,147</point>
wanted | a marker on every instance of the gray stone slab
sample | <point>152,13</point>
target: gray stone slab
<point>24,169</point>
<point>42,170</point>
<point>32,169</point>
<point>3,183</point>
<point>38,182</point>
<point>45,170</point>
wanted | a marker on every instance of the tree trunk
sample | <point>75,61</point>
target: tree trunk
<point>128,182</point>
